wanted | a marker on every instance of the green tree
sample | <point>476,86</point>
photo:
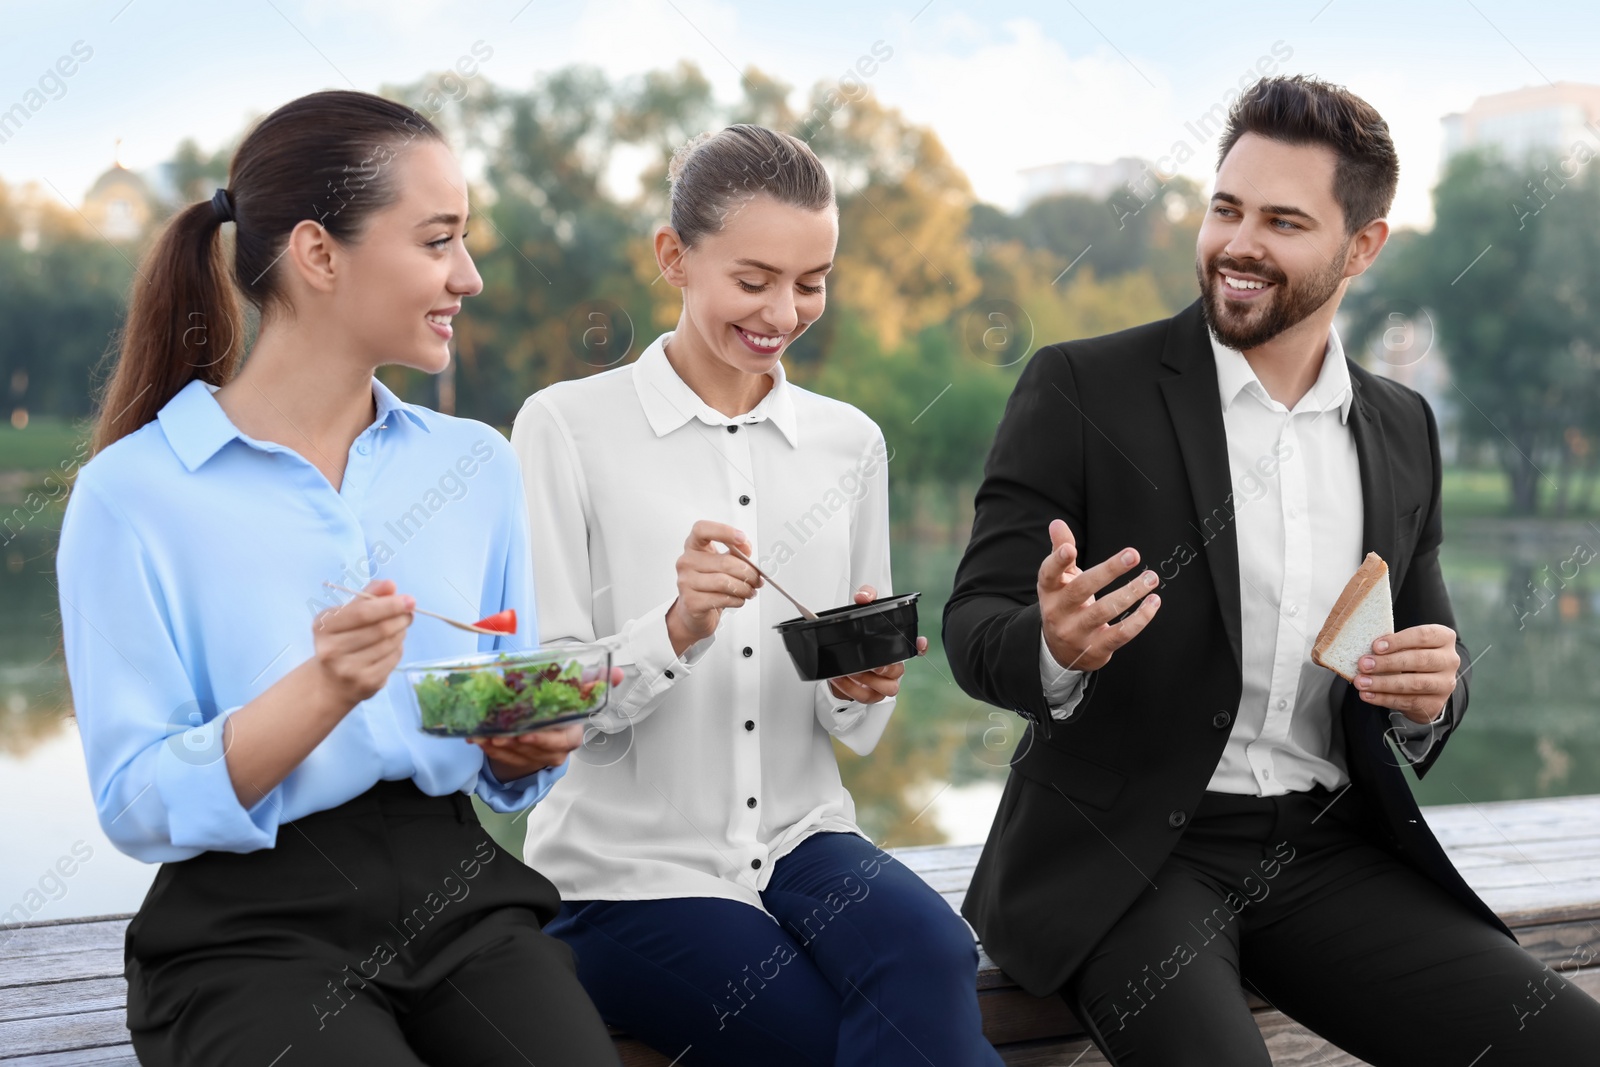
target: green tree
<point>1509,276</point>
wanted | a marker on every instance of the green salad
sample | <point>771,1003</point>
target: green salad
<point>489,701</point>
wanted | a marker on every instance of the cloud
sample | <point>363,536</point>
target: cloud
<point>1017,97</point>
<point>630,37</point>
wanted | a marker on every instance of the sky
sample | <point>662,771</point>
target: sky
<point>1006,84</point>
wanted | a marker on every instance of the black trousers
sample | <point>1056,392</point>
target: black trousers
<point>1288,895</point>
<point>390,929</point>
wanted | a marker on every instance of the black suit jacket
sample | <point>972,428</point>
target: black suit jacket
<point>1122,436</point>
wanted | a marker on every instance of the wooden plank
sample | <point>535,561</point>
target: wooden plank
<point>1518,821</point>
<point>951,880</point>
<point>59,1033</point>
<point>1536,905</point>
<point>69,935</point>
<point>1531,852</point>
<point>105,1056</point>
<point>63,998</point>
<point>1583,875</point>
<point>1290,1044</point>
<point>63,966</point>
<point>921,858</point>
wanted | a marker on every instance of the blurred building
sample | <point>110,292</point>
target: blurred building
<point>1539,118</point>
<point>119,204</point>
<point>1097,181</point>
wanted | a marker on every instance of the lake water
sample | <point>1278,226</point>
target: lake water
<point>1526,597</point>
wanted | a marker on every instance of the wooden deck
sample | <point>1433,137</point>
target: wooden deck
<point>1536,862</point>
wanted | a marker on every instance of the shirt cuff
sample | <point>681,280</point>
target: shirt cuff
<point>837,715</point>
<point>203,810</point>
<point>1415,738</point>
<point>1063,686</point>
<point>858,726</point>
<point>653,653</point>
<point>519,793</point>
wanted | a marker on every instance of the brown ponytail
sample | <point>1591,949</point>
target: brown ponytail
<point>183,323</point>
<point>324,157</point>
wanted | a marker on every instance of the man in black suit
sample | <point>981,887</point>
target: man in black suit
<point>1196,808</point>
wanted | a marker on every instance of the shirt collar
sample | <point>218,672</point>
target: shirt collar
<point>197,427</point>
<point>669,403</point>
<point>387,402</point>
<point>1331,389</point>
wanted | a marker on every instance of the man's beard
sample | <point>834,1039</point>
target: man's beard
<point>1244,328</point>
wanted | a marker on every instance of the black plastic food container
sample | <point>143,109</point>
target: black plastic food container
<point>854,638</point>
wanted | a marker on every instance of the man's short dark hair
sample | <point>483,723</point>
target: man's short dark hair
<point>1305,110</point>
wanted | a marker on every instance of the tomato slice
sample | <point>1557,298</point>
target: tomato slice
<point>501,622</point>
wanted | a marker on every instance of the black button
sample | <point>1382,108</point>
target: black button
<point>1221,720</point>
<point>670,674</point>
<point>744,500</point>
<point>755,865</point>
<point>733,429</point>
<point>749,724</point>
<point>750,803</point>
<point>748,651</point>
<point>1177,819</point>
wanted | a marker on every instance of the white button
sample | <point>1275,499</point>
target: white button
<point>1282,704</point>
<point>1294,609</point>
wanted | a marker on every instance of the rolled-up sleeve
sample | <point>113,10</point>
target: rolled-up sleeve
<point>519,793</point>
<point>152,740</point>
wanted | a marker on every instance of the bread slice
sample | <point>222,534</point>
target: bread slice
<point>1362,614</point>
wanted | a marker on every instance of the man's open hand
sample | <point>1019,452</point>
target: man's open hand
<point>1077,626</point>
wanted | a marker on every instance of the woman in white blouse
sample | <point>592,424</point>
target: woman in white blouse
<point>723,904</point>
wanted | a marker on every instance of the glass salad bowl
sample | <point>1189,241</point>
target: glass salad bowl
<point>497,693</point>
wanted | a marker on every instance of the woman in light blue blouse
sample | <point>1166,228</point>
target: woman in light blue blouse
<point>326,894</point>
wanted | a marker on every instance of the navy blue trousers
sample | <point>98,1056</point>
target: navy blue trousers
<point>866,964</point>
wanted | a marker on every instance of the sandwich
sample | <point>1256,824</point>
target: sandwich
<point>1362,614</point>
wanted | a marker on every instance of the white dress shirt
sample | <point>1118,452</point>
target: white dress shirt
<point>1298,515</point>
<point>705,769</point>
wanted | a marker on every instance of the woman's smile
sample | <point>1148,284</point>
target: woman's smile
<point>764,343</point>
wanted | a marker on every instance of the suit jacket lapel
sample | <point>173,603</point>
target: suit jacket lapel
<point>1377,480</point>
<point>1196,412</point>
